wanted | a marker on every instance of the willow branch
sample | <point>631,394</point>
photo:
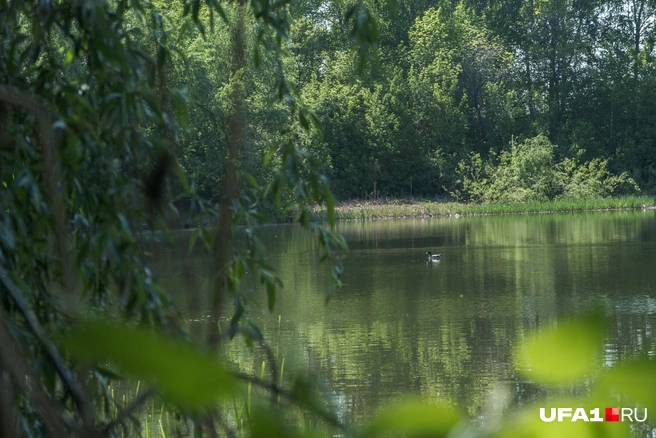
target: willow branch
<point>125,413</point>
<point>290,396</point>
<point>13,362</point>
<point>58,361</point>
<point>7,423</point>
<point>208,110</point>
<point>50,160</point>
<point>233,330</point>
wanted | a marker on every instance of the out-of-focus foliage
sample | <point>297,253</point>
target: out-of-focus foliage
<point>181,375</point>
<point>578,341</point>
<point>414,418</point>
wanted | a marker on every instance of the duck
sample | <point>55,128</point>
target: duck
<point>433,257</point>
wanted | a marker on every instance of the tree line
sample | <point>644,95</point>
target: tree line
<point>445,84</point>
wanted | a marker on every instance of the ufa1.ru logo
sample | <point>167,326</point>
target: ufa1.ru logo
<point>580,414</point>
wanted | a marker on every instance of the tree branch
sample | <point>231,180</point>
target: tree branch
<point>64,373</point>
<point>20,99</point>
<point>7,423</point>
<point>125,413</point>
<point>233,330</point>
<point>13,362</point>
<point>230,189</point>
<point>290,396</point>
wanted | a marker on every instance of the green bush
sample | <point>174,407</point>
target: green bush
<point>592,180</point>
<point>529,173</point>
<point>524,174</point>
<point>474,178</point>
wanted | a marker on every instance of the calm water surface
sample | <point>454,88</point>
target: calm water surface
<point>444,330</point>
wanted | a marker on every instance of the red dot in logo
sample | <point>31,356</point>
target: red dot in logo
<point>612,414</point>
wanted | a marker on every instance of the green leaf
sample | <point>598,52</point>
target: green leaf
<point>214,4</point>
<point>256,334</point>
<point>563,353</point>
<point>107,373</point>
<point>349,13</point>
<point>70,54</point>
<point>184,375</point>
<point>239,312</point>
<point>270,153</point>
<point>127,230</point>
<point>527,423</point>
<point>192,240</point>
<point>7,236</point>
<point>195,9</point>
<point>635,380</point>
<point>271,295</point>
<point>339,239</point>
<point>267,424</point>
<point>260,217</point>
<point>256,57</point>
<point>239,269</point>
<point>303,120</point>
<point>251,179</point>
<point>161,56</point>
<point>179,103</point>
<point>208,240</point>
<point>414,417</point>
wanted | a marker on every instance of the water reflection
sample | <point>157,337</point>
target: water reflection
<point>443,330</point>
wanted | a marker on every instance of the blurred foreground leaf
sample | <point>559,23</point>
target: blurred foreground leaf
<point>414,417</point>
<point>526,423</point>
<point>634,380</point>
<point>183,374</point>
<point>266,424</point>
<point>564,353</point>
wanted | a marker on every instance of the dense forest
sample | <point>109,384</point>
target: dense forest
<point>437,104</point>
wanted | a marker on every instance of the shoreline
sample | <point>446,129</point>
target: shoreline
<point>428,209</point>
<point>408,209</point>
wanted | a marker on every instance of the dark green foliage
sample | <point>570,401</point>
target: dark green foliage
<point>104,123</point>
<point>452,78</point>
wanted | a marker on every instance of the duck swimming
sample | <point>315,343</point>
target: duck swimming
<point>433,257</point>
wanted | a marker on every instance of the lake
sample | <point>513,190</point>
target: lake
<point>401,325</point>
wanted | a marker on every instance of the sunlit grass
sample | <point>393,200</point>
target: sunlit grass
<point>396,209</point>
<point>159,419</point>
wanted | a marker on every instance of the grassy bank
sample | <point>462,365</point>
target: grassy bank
<point>405,208</point>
